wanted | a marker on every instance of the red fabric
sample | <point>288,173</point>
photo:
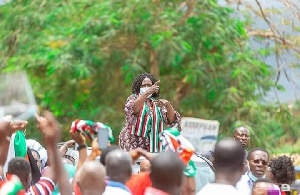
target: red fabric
<point>77,189</point>
<point>138,183</point>
<point>283,193</point>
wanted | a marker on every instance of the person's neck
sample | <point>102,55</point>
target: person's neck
<point>122,181</point>
<point>227,179</point>
<point>253,177</point>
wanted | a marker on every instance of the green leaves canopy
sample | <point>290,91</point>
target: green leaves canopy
<point>83,55</point>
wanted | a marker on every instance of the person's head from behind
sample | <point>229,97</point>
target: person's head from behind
<point>37,158</point>
<point>242,134</point>
<point>264,187</point>
<point>20,167</point>
<point>118,166</point>
<point>91,178</point>
<point>142,83</point>
<point>167,172</point>
<point>258,159</point>
<point>229,161</point>
<point>145,166</point>
<point>281,170</point>
<point>106,151</point>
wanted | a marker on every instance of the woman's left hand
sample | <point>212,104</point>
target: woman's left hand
<point>162,102</point>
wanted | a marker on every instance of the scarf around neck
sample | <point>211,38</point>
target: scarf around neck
<point>146,123</point>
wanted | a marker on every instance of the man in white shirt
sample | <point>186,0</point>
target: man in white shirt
<point>119,169</point>
<point>258,159</point>
<point>229,165</point>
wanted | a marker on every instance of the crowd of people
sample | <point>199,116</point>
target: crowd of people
<point>26,167</point>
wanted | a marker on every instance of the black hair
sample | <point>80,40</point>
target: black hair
<point>106,151</point>
<point>242,126</point>
<point>19,166</point>
<point>229,155</point>
<point>136,85</point>
<point>256,149</point>
<point>283,169</point>
<point>33,150</point>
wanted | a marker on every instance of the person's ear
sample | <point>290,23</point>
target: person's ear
<point>247,164</point>
<point>28,179</point>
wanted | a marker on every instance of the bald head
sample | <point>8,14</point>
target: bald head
<point>229,154</point>
<point>242,134</point>
<point>145,166</point>
<point>118,166</point>
<point>91,178</point>
<point>229,161</point>
<point>167,172</point>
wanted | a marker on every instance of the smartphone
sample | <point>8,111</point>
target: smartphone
<point>102,138</point>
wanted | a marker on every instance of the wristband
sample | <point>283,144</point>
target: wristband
<point>81,147</point>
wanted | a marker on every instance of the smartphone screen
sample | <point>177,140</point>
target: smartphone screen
<point>102,138</point>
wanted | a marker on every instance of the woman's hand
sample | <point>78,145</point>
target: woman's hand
<point>162,102</point>
<point>153,89</point>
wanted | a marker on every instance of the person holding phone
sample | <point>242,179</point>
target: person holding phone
<point>146,116</point>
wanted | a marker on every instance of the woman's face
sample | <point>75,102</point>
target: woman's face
<point>146,83</point>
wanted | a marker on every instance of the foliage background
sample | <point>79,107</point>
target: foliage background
<point>82,56</point>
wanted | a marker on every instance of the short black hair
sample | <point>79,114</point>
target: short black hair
<point>106,151</point>
<point>257,149</point>
<point>242,126</point>
<point>283,169</point>
<point>136,85</point>
<point>19,166</point>
<point>229,155</point>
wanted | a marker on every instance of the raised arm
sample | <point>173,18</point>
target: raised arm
<point>7,128</point>
<point>138,103</point>
<point>51,132</point>
<point>4,145</point>
<point>82,147</point>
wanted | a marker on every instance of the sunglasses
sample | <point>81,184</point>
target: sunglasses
<point>264,163</point>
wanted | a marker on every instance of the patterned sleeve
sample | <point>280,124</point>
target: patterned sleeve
<point>177,121</point>
<point>44,186</point>
<point>129,112</point>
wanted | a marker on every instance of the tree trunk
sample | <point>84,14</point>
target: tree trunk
<point>181,92</point>
<point>154,67</point>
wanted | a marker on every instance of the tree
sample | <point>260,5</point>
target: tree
<point>83,55</point>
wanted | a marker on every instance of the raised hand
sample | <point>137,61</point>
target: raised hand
<point>49,128</point>
<point>162,102</point>
<point>13,125</point>
<point>153,89</point>
<point>70,143</point>
<point>95,147</point>
<point>78,137</point>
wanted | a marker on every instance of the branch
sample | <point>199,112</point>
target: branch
<point>275,37</point>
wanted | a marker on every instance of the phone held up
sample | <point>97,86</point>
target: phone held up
<point>102,138</point>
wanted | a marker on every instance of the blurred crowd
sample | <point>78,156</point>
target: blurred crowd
<point>28,167</point>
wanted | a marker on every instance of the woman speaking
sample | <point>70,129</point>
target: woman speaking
<point>146,116</point>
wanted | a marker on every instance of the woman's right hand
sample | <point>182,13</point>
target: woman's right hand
<point>153,89</point>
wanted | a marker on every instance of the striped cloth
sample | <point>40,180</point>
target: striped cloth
<point>147,123</point>
<point>90,129</point>
<point>45,186</point>
<point>172,141</point>
<point>11,186</point>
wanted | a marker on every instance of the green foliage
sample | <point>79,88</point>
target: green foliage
<point>83,55</point>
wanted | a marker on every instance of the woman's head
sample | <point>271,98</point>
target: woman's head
<point>143,80</point>
<point>281,170</point>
